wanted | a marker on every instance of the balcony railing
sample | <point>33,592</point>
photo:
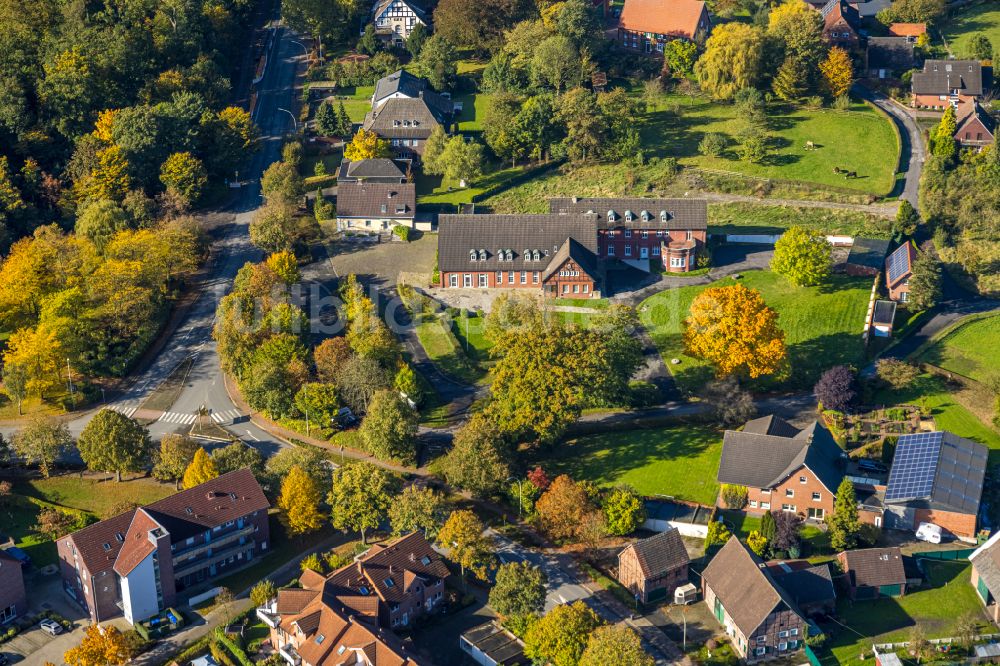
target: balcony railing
<point>218,555</point>
<point>223,539</point>
<point>269,614</point>
<point>289,654</point>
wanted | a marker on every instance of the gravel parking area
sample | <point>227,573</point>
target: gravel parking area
<point>385,263</point>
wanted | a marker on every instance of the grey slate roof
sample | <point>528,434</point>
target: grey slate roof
<point>760,460</point>
<point>376,200</point>
<point>869,252</point>
<point>405,118</point>
<point>809,586</point>
<point>501,647</point>
<point>379,170</point>
<point>744,587</point>
<point>458,234</point>
<point>770,425</point>
<point>958,476</point>
<point>892,53</point>
<point>680,213</point>
<point>572,249</point>
<point>939,77</point>
<point>874,567</point>
<point>661,553</point>
<point>986,560</point>
<point>871,7</point>
<point>400,81</point>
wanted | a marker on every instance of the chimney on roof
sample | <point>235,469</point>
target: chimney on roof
<point>576,199</point>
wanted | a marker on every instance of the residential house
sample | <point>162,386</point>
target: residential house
<point>975,127</point>
<point>889,57</point>
<point>645,26</point>
<point>809,585</point>
<point>759,616</point>
<point>551,253</point>
<point>867,257</point>
<point>986,575</point>
<point>944,82</point>
<point>490,644</point>
<point>873,572</point>
<point>912,31</point>
<point>936,477</point>
<point>140,562</point>
<point>379,170</point>
<point>840,24</point>
<point>13,599</point>
<point>899,270</point>
<point>405,111</point>
<point>639,230</point>
<point>355,607</point>
<point>783,467</point>
<point>395,19</point>
<point>374,207</point>
<point>653,568</point>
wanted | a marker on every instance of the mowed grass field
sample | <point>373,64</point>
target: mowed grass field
<point>937,606</point>
<point>677,461</point>
<point>971,350</point>
<point>859,139</point>
<point>964,23</point>
<point>822,326</point>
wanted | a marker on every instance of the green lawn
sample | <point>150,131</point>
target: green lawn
<point>937,607</point>
<point>357,101</point>
<point>468,328</point>
<point>444,350</point>
<point>964,23</point>
<point>678,461</point>
<point>754,218</point>
<point>437,190</point>
<point>860,140</point>
<point>474,106</point>
<point>970,350</point>
<point>822,326</point>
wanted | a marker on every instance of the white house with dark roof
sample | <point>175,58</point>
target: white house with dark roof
<point>394,20</point>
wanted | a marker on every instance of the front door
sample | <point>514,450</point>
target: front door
<point>644,253</point>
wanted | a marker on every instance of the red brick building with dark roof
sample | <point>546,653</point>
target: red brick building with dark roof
<point>136,564</point>
<point>13,600</point>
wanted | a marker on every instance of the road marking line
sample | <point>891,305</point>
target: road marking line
<point>218,418</point>
<point>250,434</point>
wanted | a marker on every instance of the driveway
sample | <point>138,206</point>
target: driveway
<point>912,155</point>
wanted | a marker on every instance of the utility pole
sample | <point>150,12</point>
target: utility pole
<point>69,383</point>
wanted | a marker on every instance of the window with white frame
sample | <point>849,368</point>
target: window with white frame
<point>817,497</point>
<point>511,277</point>
<point>656,250</point>
<point>794,631</point>
<point>499,277</point>
<point>782,646</point>
<point>453,280</point>
<point>765,505</point>
<point>484,280</point>
<point>628,233</point>
<point>789,492</point>
<point>783,634</point>
<point>628,250</point>
<point>761,640</point>
<point>803,479</point>
<point>793,645</point>
<point>524,277</point>
<point>611,250</point>
<point>788,507</point>
<point>761,651</point>
<point>534,277</point>
<point>467,280</point>
<point>644,233</point>
<point>753,504</point>
<point>678,262</point>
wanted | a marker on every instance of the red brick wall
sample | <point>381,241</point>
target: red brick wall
<point>802,494</point>
<point>12,588</point>
<point>555,281</point>
<point>569,286</point>
<point>959,524</point>
<point>935,101</point>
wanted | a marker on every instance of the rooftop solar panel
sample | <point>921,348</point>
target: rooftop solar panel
<point>899,262</point>
<point>914,466</point>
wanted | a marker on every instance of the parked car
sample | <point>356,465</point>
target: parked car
<point>51,627</point>
<point>929,532</point>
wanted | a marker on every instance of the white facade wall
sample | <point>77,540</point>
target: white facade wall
<point>139,598</point>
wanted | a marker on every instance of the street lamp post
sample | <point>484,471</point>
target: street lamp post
<point>295,123</point>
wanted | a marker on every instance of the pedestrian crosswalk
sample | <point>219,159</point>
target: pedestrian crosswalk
<point>227,415</point>
<point>176,417</point>
<point>124,408</point>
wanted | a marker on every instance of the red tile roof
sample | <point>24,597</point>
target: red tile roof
<point>97,545</point>
<point>663,17</point>
<point>383,569</point>
<point>907,29</point>
<point>137,543</point>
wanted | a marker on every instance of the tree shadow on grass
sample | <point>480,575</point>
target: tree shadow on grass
<point>809,358</point>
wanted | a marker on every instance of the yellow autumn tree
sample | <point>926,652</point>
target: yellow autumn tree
<point>733,329</point>
<point>185,175</point>
<point>365,146</point>
<point>102,127</point>
<point>299,502</point>
<point>838,73</point>
<point>109,180</point>
<point>201,469</point>
<point>285,266</point>
<point>37,354</point>
<point>101,646</point>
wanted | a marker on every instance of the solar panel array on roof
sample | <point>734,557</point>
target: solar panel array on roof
<point>914,466</point>
<point>899,262</point>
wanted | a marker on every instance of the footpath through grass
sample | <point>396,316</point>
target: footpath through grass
<point>937,606</point>
<point>971,350</point>
<point>679,461</point>
<point>822,326</point>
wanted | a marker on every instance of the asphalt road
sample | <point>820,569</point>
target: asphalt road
<point>193,338</point>
<point>912,149</point>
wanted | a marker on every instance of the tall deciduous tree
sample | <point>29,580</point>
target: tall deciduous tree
<point>366,146</point>
<point>562,508</point>
<point>185,175</point>
<point>732,60</point>
<point>835,388</point>
<point>519,590</point>
<point>112,442</point>
<point>623,510</point>
<point>615,644</point>
<point>176,453</point>
<point>561,636</point>
<point>416,509</point>
<point>802,256</point>
<point>479,459</point>
<point>944,144</point>
<point>360,497</point>
<point>925,283</point>
<point>463,535</point>
<point>389,428</point>
<point>732,328</point>
<point>100,646</point>
<point>238,455</point>
<point>844,525</point>
<point>299,502</point>
<point>438,63</point>
<point>799,30</point>
<point>41,441</point>
<point>201,469</point>
<point>838,73</point>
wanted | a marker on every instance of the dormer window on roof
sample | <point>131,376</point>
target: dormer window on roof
<point>363,590</point>
<point>107,547</point>
<point>510,255</point>
<point>536,256</point>
<point>628,216</point>
<point>389,582</point>
<point>482,255</point>
<point>472,255</point>
<point>611,216</point>
<point>425,560</point>
<point>663,216</point>
<point>646,217</point>
<point>527,255</point>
